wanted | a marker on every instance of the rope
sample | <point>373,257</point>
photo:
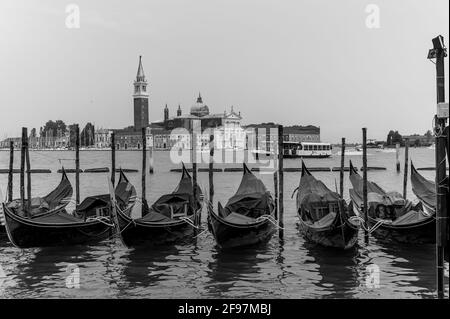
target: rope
<point>188,220</point>
<point>270,219</point>
<point>103,219</point>
<point>364,226</point>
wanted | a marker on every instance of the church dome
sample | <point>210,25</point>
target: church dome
<point>199,108</point>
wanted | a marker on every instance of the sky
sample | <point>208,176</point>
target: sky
<point>294,62</point>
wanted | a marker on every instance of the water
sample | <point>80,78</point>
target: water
<point>289,269</point>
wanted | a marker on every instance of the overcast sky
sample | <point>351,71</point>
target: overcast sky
<point>293,62</point>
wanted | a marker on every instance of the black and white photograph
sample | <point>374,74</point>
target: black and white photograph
<point>234,151</point>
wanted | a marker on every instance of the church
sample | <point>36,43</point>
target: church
<point>160,134</point>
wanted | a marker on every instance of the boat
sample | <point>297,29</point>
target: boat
<point>324,216</point>
<point>390,216</point>
<point>306,149</point>
<point>59,228</point>
<point>425,190</point>
<point>171,219</point>
<point>247,219</point>
<point>40,206</point>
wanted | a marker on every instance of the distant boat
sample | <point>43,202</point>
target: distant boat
<point>306,149</point>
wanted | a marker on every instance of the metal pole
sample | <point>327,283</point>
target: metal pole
<point>11,170</point>
<point>341,175</point>
<point>365,208</point>
<point>405,173</point>
<point>280,182</point>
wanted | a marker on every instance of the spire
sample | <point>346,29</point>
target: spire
<point>140,76</point>
<point>179,110</point>
<point>199,99</point>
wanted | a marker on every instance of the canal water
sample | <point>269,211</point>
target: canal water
<point>292,268</point>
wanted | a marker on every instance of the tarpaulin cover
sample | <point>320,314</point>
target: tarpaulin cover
<point>424,189</point>
<point>251,199</point>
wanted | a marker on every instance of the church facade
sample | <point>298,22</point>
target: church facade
<point>175,131</point>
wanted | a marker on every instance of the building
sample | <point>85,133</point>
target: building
<point>102,138</point>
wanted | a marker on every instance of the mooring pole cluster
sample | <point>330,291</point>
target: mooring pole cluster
<point>439,52</point>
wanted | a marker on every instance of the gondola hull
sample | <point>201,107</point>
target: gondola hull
<point>27,233</point>
<point>230,235</point>
<point>339,235</point>
<point>138,233</point>
<point>423,232</point>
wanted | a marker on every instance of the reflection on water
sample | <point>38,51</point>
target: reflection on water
<point>291,268</point>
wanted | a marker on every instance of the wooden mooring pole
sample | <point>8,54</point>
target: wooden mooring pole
<point>22,167</point>
<point>341,175</point>
<point>405,170</point>
<point>113,159</point>
<point>10,171</point>
<point>365,203</point>
<point>397,157</point>
<point>439,52</point>
<point>195,124</point>
<point>280,183</point>
<point>275,190</point>
<point>77,164</point>
<point>27,160</point>
<point>144,171</point>
<point>211,168</point>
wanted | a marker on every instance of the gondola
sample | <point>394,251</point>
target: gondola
<point>425,190</point>
<point>59,228</point>
<point>247,219</point>
<point>169,220</point>
<point>324,216</point>
<point>40,206</point>
<point>390,216</point>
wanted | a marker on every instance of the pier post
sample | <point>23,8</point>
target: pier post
<point>365,204</point>
<point>280,183</point>
<point>275,190</point>
<point>152,169</point>
<point>397,157</point>
<point>439,52</point>
<point>27,159</point>
<point>10,171</point>
<point>113,159</point>
<point>22,167</point>
<point>195,124</point>
<point>405,170</point>
<point>341,175</point>
<point>144,171</point>
<point>256,143</point>
<point>77,164</point>
<point>211,168</point>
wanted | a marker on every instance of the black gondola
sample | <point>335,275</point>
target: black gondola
<point>40,206</point>
<point>424,189</point>
<point>169,220</point>
<point>248,218</point>
<point>58,228</point>
<point>390,215</point>
<point>324,216</point>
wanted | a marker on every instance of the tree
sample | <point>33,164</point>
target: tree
<point>87,135</point>
<point>53,127</point>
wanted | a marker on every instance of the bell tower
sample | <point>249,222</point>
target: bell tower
<point>140,98</point>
